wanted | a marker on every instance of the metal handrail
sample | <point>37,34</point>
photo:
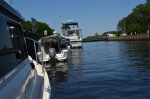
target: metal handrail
<point>35,42</point>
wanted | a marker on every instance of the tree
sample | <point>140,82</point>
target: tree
<point>26,25</point>
<point>148,1</point>
<point>148,27</point>
<point>121,25</point>
<point>135,27</point>
<point>40,27</point>
<point>138,20</point>
<point>96,34</point>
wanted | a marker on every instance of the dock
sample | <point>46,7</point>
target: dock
<point>137,37</point>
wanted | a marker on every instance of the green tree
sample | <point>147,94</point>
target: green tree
<point>148,27</point>
<point>121,24</point>
<point>40,27</point>
<point>135,27</point>
<point>26,25</point>
<point>148,1</point>
<point>138,19</point>
<point>96,34</point>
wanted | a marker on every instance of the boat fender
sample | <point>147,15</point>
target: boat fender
<point>32,66</point>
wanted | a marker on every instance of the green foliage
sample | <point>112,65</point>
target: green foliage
<point>96,34</point>
<point>137,21</point>
<point>148,1</point>
<point>26,25</point>
<point>148,27</point>
<point>135,27</point>
<point>40,27</point>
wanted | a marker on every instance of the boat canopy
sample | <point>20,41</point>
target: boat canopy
<point>71,23</point>
<point>67,25</point>
<point>49,39</point>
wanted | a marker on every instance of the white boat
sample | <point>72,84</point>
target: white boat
<point>72,32</point>
<point>21,77</point>
<point>52,50</point>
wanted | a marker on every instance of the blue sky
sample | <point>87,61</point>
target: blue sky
<point>93,16</point>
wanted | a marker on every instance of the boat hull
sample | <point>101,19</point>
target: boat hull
<point>76,43</point>
<point>28,80</point>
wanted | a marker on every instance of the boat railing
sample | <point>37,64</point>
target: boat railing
<point>35,50</point>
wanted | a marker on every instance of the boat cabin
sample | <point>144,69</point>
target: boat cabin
<point>21,77</point>
<point>12,47</point>
<point>50,42</point>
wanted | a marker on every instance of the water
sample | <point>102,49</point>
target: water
<point>103,70</point>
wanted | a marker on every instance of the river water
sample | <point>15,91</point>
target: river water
<point>103,70</point>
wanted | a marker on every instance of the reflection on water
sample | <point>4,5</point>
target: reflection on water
<point>136,56</point>
<point>76,56</point>
<point>137,52</point>
<point>60,72</point>
<point>57,73</point>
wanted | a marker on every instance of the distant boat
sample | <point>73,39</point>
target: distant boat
<point>73,33</point>
<point>21,77</point>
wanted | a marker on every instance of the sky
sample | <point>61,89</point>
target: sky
<point>93,16</point>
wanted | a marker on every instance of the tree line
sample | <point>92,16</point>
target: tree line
<point>138,21</point>
<point>40,27</point>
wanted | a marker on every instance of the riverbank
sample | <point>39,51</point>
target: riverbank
<point>137,37</point>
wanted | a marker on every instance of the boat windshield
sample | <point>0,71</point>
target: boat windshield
<point>11,46</point>
<point>49,45</point>
<point>71,33</point>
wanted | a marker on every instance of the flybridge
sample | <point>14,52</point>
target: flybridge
<point>71,23</point>
<point>68,24</point>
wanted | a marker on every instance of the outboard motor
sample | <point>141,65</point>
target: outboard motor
<point>52,54</point>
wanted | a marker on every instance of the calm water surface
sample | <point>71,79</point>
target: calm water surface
<point>103,70</point>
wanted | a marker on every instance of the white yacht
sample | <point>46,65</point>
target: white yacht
<point>72,32</point>
<point>21,77</point>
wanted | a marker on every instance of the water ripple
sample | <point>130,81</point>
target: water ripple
<point>104,70</point>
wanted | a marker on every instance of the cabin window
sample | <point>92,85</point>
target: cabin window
<point>49,45</point>
<point>11,47</point>
<point>71,33</point>
<point>63,44</point>
<point>55,45</point>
